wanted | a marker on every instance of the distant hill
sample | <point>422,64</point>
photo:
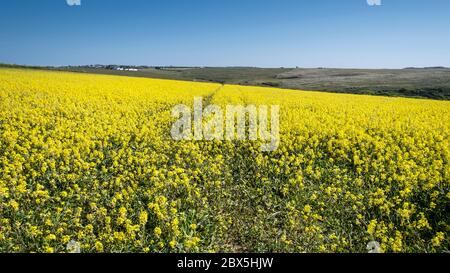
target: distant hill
<point>428,82</point>
<point>430,67</point>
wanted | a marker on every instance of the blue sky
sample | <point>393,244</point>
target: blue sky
<point>266,33</point>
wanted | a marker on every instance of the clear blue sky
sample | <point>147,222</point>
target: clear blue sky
<point>266,33</point>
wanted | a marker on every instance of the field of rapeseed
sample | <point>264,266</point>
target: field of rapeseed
<point>87,163</point>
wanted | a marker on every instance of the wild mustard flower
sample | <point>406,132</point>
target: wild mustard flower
<point>157,231</point>
<point>98,246</point>
<point>438,239</point>
<point>143,217</point>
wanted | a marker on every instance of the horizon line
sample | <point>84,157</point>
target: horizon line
<point>226,66</point>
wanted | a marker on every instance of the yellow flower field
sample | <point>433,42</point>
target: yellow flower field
<point>88,161</point>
